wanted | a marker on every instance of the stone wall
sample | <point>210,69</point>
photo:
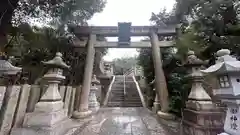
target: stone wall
<point>16,100</point>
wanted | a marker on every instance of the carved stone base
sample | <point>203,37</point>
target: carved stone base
<point>43,123</point>
<point>44,119</point>
<point>202,122</point>
<point>164,115</point>
<point>82,114</point>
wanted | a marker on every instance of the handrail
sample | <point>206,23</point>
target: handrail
<point>129,71</point>
<point>109,91</point>
<point>139,92</point>
<point>124,85</point>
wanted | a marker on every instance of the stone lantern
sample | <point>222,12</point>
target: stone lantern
<point>200,116</point>
<point>198,98</point>
<point>8,72</point>
<point>6,68</point>
<point>93,103</point>
<point>227,72</point>
<point>49,115</point>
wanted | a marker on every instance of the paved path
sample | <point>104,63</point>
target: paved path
<point>123,121</point>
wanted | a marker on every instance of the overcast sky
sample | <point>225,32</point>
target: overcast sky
<point>136,11</point>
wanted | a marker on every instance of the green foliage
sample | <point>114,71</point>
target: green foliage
<point>121,65</point>
<point>146,62</point>
<point>58,12</point>
<point>179,88</point>
<point>207,26</point>
<point>178,84</point>
<point>31,45</point>
<point>215,25</point>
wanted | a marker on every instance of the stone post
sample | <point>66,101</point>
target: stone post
<point>49,115</point>
<point>83,108</point>
<point>201,116</point>
<point>161,86</point>
<point>22,105</point>
<point>93,103</point>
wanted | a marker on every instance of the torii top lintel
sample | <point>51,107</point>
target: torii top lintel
<point>112,31</point>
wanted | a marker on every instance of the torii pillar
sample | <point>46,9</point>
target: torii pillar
<point>83,110</point>
<point>160,81</point>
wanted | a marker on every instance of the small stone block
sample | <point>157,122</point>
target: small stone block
<point>33,98</point>
<point>8,109</point>
<point>2,94</point>
<point>67,97</point>
<point>71,104</point>
<point>22,105</point>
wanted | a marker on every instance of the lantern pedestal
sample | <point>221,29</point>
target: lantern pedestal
<point>202,122</point>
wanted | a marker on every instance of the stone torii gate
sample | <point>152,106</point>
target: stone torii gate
<point>91,32</point>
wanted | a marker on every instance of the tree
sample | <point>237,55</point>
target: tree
<point>59,11</point>
<point>30,45</point>
<point>214,23</point>
<point>122,65</point>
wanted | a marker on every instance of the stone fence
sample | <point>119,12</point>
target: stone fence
<point>17,100</point>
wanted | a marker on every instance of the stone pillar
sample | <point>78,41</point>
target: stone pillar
<point>201,116</point>
<point>49,116</point>
<point>93,103</point>
<point>160,81</point>
<point>83,108</point>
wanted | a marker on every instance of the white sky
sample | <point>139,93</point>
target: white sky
<point>136,11</point>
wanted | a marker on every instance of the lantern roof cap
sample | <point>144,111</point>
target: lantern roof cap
<point>94,80</point>
<point>7,68</point>
<point>57,61</point>
<point>225,63</point>
<point>192,59</point>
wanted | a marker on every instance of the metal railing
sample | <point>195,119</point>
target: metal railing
<point>124,85</point>
<point>130,71</point>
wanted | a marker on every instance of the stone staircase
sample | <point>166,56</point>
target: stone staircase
<point>117,98</point>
